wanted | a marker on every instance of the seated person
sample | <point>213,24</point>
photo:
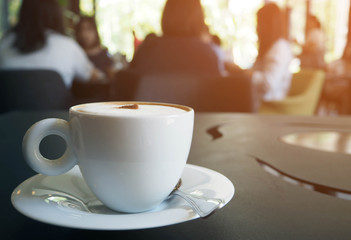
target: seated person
<point>183,48</point>
<point>341,68</point>
<point>270,73</point>
<point>38,42</point>
<point>313,50</point>
<point>88,38</point>
<point>337,88</point>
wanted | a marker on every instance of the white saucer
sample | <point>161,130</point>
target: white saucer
<point>67,201</point>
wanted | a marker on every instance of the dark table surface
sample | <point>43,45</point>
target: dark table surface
<point>292,187</point>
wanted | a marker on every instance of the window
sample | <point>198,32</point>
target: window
<point>233,21</point>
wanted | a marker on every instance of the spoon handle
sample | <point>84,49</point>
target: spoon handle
<point>201,205</point>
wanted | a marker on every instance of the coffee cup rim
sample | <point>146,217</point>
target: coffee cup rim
<point>75,108</point>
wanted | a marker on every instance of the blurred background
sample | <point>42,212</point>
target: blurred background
<point>310,59</point>
<point>233,21</point>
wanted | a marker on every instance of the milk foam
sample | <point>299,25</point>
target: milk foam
<point>113,109</point>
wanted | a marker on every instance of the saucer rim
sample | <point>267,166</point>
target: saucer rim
<point>16,202</point>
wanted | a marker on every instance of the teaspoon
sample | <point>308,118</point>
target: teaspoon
<point>203,206</point>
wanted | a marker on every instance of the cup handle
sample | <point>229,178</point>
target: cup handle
<point>30,147</point>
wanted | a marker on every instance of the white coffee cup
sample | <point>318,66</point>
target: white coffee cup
<point>131,159</point>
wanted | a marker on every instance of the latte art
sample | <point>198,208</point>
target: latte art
<point>135,109</point>
<point>129,106</point>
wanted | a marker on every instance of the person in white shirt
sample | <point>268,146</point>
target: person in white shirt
<point>38,42</point>
<point>270,73</point>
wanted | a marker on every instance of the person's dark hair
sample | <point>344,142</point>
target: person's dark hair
<point>78,28</point>
<point>346,56</point>
<point>270,27</point>
<point>183,18</point>
<point>35,17</point>
<point>313,22</point>
<point>216,40</point>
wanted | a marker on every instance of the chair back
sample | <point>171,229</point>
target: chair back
<point>210,94</point>
<point>32,90</point>
<point>303,96</point>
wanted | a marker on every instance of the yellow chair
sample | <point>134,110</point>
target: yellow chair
<point>303,96</point>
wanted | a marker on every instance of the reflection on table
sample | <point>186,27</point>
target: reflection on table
<point>324,141</point>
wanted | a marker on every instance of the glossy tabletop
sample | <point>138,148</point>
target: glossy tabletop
<point>292,178</point>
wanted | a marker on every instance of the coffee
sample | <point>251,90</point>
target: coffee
<point>130,109</point>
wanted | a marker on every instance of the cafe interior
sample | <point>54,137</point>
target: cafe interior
<point>121,28</point>
<point>269,82</point>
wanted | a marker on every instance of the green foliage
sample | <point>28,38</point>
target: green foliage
<point>87,7</point>
<point>117,19</point>
<point>14,6</point>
